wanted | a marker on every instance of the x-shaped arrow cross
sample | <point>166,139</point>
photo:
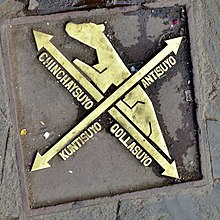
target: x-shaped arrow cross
<point>41,161</point>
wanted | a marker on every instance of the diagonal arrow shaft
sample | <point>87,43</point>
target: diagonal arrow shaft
<point>170,169</point>
<point>42,161</point>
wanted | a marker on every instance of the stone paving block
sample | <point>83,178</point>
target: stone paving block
<point>4,106</point>
<point>214,199</point>
<point>193,204</point>
<point>105,211</point>
<point>103,167</point>
<point>10,8</point>
<point>214,143</point>
<point>10,188</point>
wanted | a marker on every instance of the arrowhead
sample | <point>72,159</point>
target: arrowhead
<point>171,171</point>
<point>39,163</point>
<point>174,44</point>
<point>41,39</point>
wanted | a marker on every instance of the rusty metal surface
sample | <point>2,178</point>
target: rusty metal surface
<point>103,167</point>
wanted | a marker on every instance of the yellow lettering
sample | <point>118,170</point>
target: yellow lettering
<point>68,151</point>
<point>60,74</point>
<point>160,72</point>
<point>135,151</point>
<point>147,162</point>
<point>84,137</point>
<point>119,132</point>
<point>76,141</point>
<point>47,62</point>
<point>91,128</point>
<point>74,87</point>
<point>76,92</point>
<point>172,60</point>
<point>97,126</point>
<point>167,62</point>
<point>43,56</point>
<point>121,137</point>
<point>69,85</point>
<point>144,83</point>
<point>152,74</point>
<point>145,157</point>
<point>49,67</point>
<point>63,155</point>
<point>65,79</point>
<point>73,147</point>
<point>85,100</point>
<point>88,105</point>
<point>149,79</point>
<point>55,69</point>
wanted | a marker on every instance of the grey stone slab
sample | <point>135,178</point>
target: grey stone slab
<point>213,107</point>
<point>215,197</point>
<point>205,32</point>
<point>214,143</point>
<point>193,204</point>
<point>11,8</point>
<point>9,182</point>
<point>105,211</point>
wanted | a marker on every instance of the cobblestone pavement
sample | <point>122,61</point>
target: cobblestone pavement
<point>187,201</point>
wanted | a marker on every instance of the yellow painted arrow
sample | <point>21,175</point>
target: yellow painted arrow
<point>43,41</point>
<point>41,162</point>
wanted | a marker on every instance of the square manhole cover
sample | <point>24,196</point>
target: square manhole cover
<point>104,103</point>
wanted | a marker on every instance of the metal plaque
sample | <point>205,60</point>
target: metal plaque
<point>104,103</point>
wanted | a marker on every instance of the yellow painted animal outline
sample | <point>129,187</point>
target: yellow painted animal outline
<point>106,73</point>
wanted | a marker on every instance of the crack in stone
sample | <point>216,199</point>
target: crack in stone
<point>117,211</point>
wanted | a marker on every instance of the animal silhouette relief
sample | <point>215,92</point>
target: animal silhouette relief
<point>110,69</point>
<point>136,104</point>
